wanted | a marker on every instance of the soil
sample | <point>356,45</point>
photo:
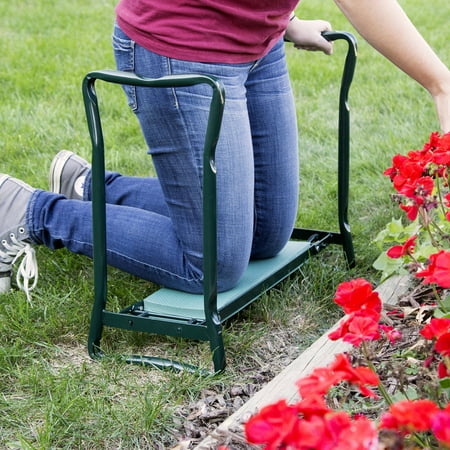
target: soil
<point>407,368</point>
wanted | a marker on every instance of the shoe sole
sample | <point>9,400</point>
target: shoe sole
<point>5,277</point>
<point>3,178</point>
<point>56,168</point>
<point>5,282</point>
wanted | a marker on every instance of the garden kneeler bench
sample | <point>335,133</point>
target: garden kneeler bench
<point>200,317</point>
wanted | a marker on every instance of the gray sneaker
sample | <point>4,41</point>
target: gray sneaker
<point>67,174</point>
<point>14,237</point>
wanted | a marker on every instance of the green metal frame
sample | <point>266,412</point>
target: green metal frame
<point>210,310</point>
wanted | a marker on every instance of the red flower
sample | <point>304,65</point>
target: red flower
<point>440,426</point>
<point>434,141</point>
<point>272,425</point>
<point>409,416</point>
<point>418,188</point>
<point>447,204</point>
<point>391,333</point>
<point>397,162</point>
<point>447,200</point>
<point>321,379</point>
<point>442,370</point>
<point>442,345</point>
<point>360,376</point>
<point>357,295</point>
<point>403,171</point>
<point>318,382</point>
<point>356,328</point>
<point>441,155</point>
<point>411,211</point>
<point>308,434</point>
<point>436,328</point>
<point>312,405</point>
<point>397,251</point>
<point>336,423</point>
<point>335,431</point>
<point>366,432</point>
<point>438,269</point>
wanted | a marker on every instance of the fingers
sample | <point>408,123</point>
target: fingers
<point>327,48</point>
<point>307,35</point>
<point>323,44</point>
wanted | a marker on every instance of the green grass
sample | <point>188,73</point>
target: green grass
<point>52,394</point>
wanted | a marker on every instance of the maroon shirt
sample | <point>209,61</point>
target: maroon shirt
<point>227,31</point>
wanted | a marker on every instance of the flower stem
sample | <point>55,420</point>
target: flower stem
<point>383,391</point>
<point>385,394</point>
<point>438,298</point>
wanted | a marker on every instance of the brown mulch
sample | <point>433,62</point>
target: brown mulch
<point>199,418</point>
<point>407,368</point>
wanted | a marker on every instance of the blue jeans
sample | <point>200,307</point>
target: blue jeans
<point>154,225</point>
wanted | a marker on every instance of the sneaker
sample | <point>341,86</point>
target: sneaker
<point>67,174</point>
<point>14,237</point>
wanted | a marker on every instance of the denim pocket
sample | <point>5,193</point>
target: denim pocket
<point>124,52</point>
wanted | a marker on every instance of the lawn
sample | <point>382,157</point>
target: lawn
<point>52,394</point>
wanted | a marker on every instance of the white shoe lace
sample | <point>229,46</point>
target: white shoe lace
<point>28,268</point>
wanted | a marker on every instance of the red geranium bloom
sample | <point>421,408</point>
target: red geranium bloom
<point>403,171</point>
<point>307,434</point>
<point>438,269</point>
<point>357,295</point>
<point>336,423</point>
<point>442,157</point>
<point>364,429</point>
<point>433,142</point>
<point>391,333</point>
<point>360,376</point>
<point>410,210</point>
<point>436,328</point>
<point>447,204</point>
<point>356,328</point>
<point>318,382</point>
<point>423,157</point>
<point>397,162</point>
<point>441,154</point>
<point>442,345</point>
<point>442,370</point>
<point>440,426</point>
<point>312,405</point>
<point>409,416</point>
<point>418,188</point>
<point>397,251</point>
<point>271,425</point>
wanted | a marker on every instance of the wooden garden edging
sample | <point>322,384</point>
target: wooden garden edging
<point>319,354</point>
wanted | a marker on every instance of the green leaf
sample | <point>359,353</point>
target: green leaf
<point>444,383</point>
<point>445,304</point>
<point>389,266</point>
<point>423,252</point>
<point>409,393</point>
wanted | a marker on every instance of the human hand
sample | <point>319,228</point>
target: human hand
<point>307,35</point>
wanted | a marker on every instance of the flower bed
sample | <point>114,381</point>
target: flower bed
<point>321,352</point>
<point>402,395</point>
<point>416,418</point>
